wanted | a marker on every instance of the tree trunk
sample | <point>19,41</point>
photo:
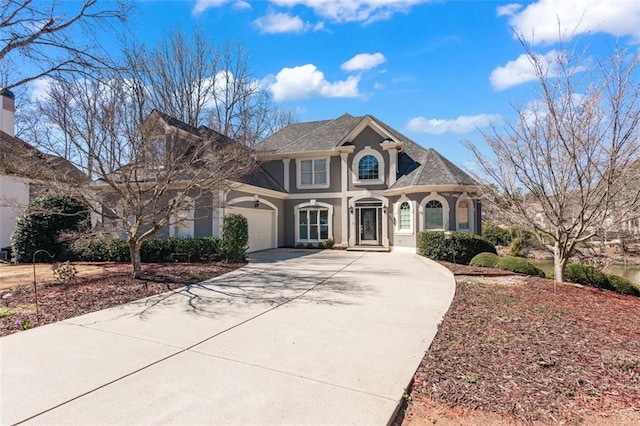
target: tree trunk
<point>136,263</point>
<point>559,263</point>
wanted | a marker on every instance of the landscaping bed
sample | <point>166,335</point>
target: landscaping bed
<point>510,350</point>
<point>98,291</point>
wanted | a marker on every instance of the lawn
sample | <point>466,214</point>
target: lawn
<point>98,287</point>
<point>511,351</point>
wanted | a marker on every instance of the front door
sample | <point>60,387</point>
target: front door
<point>369,226</point>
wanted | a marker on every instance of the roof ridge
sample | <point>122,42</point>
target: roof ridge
<point>326,123</point>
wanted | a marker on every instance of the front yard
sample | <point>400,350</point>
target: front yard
<point>510,351</point>
<point>98,286</point>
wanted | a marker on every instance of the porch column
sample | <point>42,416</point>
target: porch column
<point>344,216</point>
<point>393,165</point>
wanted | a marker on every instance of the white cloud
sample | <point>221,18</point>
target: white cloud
<point>275,22</point>
<point>203,5</point>
<point>364,61</point>
<point>307,81</point>
<point>353,10</point>
<point>462,124</point>
<point>508,9</point>
<point>519,71</point>
<point>241,4</point>
<point>540,19</point>
<point>40,89</point>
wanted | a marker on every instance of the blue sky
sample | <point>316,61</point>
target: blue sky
<point>432,69</point>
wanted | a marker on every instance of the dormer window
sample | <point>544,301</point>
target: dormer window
<point>368,168</point>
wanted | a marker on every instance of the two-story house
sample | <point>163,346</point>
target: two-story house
<point>359,182</point>
<point>353,180</point>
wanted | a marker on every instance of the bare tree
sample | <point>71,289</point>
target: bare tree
<point>197,82</point>
<point>143,177</point>
<point>38,40</point>
<point>241,107</point>
<point>561,169</point>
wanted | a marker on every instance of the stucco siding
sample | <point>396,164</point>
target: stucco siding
<point>367,138</point>
<point>14,198</point>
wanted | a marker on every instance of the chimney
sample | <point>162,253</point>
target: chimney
<point>8,112</point>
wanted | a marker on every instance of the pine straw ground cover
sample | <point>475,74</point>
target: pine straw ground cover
<point>510,351</point>
<point>91,293</point>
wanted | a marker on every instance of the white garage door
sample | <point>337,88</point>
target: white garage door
<point>261,227</point>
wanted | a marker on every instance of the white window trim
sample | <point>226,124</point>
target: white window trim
<point>313,204</point>
<point>412,210</point>
<point>472,215</point>
<point>173,226</point>
<point>445,211</point>
<point>300,185</point>
<point>355,167</point>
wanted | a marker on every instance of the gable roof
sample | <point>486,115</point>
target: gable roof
<point>258,177</point>
<point>417,166</point>
<point>18,158</point>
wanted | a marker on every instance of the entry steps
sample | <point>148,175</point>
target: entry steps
<point>369,248</point>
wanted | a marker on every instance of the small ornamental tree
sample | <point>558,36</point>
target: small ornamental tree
<point>42,225</point>
<point>235,238</point>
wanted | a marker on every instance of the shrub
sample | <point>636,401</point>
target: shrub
<point>623,285</point>
<point>42,224</point>
<point>460,248</point>
<point>586,275</point>
<point>485,260</point>
<point>496,235</point>
<point>64,272</point>
<point>153,250</point>
<point>235,237</point>
<point>519,265</point>
<point>515,248</point>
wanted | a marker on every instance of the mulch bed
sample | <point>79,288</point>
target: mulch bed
<point>525,353</point>
<point>95,292</point>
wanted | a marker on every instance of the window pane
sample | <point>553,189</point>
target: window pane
<point>313,232</point>
<point>305,166</point>
<point>304,220</point>
<point>433,215</point>
<point>368,168</point>
<point>324,224</point>
<point>405,217</point>
<point>320,165</point>
<point>463,214</point>
<point>321,177</point>
<point>306,178</point>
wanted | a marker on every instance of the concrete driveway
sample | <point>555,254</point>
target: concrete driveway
<point>295,337</point>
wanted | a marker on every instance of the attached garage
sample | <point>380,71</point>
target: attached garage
<point>262,227</point>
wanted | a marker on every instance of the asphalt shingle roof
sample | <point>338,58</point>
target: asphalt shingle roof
<point>416,165</point>
<point>18,158</point>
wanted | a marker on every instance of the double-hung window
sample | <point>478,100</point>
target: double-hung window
<point>313,225</point>
<point>313,173</point>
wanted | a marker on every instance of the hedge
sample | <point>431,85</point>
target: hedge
<point>485,260</point>
<point>460,248</point>
<point>153,250</point>
<point>519,265</point>
<point>586,275</point>
<point>41,226</point>
<point>623,285</point>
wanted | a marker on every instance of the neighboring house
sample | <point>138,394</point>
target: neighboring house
<point>23,172</point>
<point>353,180</point>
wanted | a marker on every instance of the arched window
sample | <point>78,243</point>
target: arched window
<point>404,217</point>
<point>433,217</point>
<point>368,168</point>
<point>463,215</point>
